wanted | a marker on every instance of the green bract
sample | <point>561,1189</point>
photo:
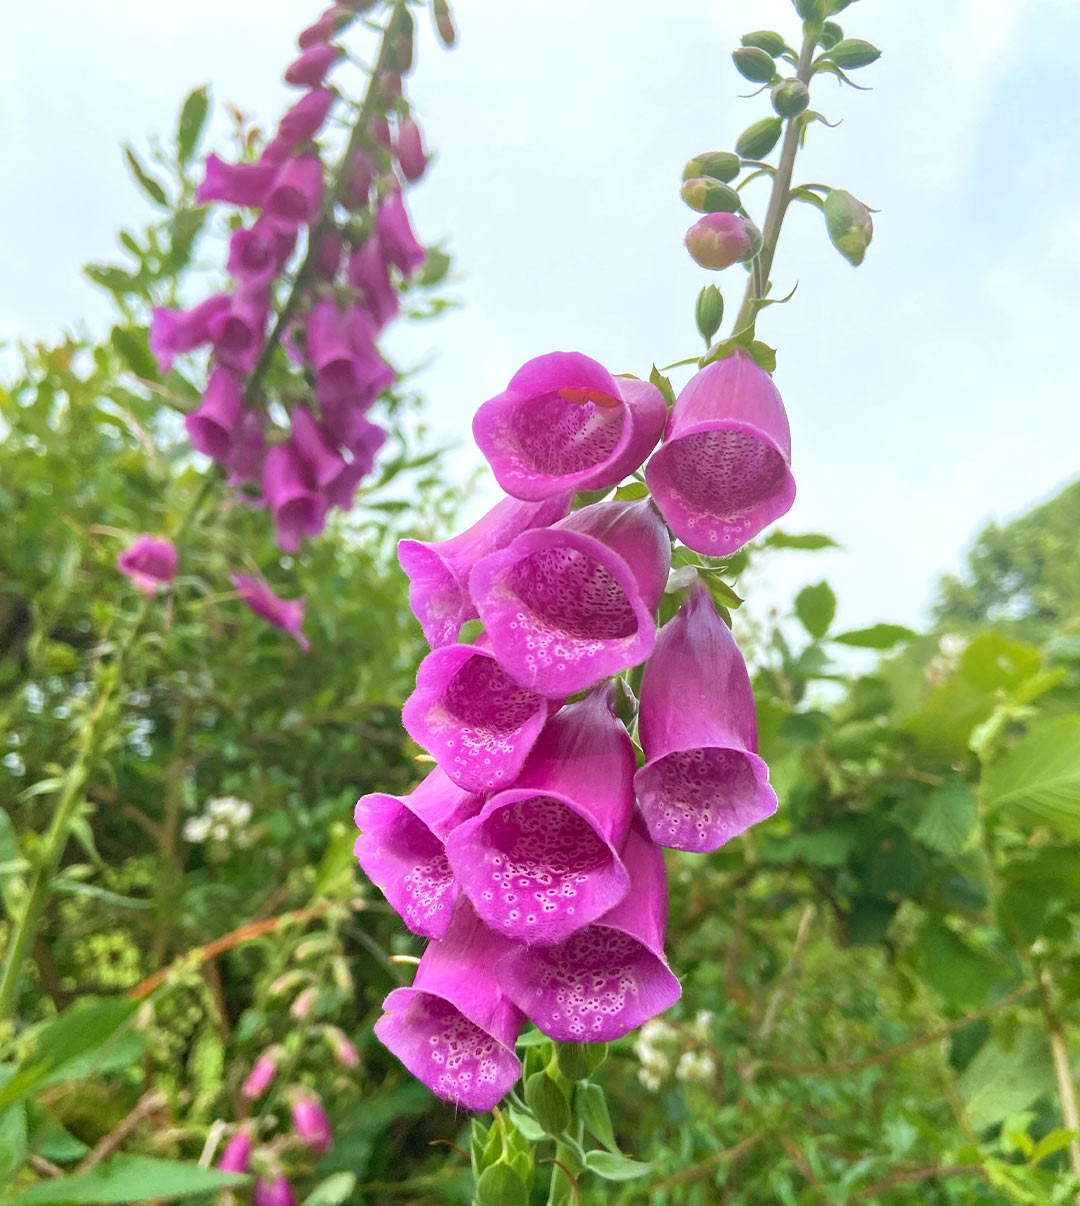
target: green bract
<point>756,141</point>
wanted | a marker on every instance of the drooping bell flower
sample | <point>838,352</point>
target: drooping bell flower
<point>334,19</point>
<point>173,332</point>
<point>328,255</point>
<point>719,240</point>
<point>150,563</point>
<point>238,331</point>
<point>472,717</point>
<point>368,275</point>
<point>234,183</point>
<point>258,252</point>
<point>304,119</point>
<point>409,149</point>
<point>454,1029</point>
<point>341,1045</point>
<point>702,782</point>
<point>277,1192</point>
<point>282,613</point>
<point>365,444</point>
<point>401,849</point>
<point>359,180</point>
<point>565,423</point>
<point>315,446</point>
<point>348,369</point>
<point>311,1124</point>
<point>309,70</point>
<point>262,1073</point>
<point>439,570</point>
<point>569,605</point>
<point>290,490</point>
<point>609,977</point>
<point>296,194</point>
<point>237,1154</point>
<point>212,426</point>
<point>248,451</point>
<point>542,858</point>
<point>723,471</point>
<point>396,236</point>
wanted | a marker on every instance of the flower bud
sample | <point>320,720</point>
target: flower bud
<point>790,97</point>
<point>754,64</point>
<point>578,1061</point>
<point>831,33</point>
<point>302,1004</point>
<point>849,224</point>
<point>809,10</point>
<point>710,312</point>
<point>854,52</point>
<point>237,1154</point>
<point>547,1102</point>
<point>765,39</point>
<point>717,165</point>
<point>262,1073</point>
<point>710,196</point>
<point>400,31</point>
<point>756,141</point>
<point>344,1051</point>
<point>311,1123</point>
<point>719,240</point>
<point>444,22</point>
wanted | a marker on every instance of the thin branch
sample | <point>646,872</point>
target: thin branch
<point>1059,1048</point>
<point>787,976</point>
<point>697,1172</point>
<point>919,1174</point>
<point>147,1104</point>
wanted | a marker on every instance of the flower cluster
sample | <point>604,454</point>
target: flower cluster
<point>531,855</point>
<point>225,820</point>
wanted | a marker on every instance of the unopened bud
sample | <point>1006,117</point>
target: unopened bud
<point>301,1006</point>
<point>411,156</point>
<point>831,33</point>
<point>854,52</point>
<point>577,1061</point>
<point>400,33</point>
<point>710,196</point>
<point>548,1103</point>
<point>710,312</point>
<point>754,64</point>
<point>756,141</point>
<point>718,165</point>
<point>444,22</point>
<point>810,10</point>
<point>790,97</point>
<point>765,39</point>
<point>344,1051</point>
<point>719,240</point>
<point>849,224</point>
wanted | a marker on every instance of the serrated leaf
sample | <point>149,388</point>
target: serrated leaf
<point>128,1178</point>
<point>877,636</point>
<point>614,1167</point>
<point>145,181</point>
<point>815,606</point>
<point>1037,782</point>
<point>1004,1078</point>
<point>950,815</point>
<point>189,128</point>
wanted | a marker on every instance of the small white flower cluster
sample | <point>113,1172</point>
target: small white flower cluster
<point>658,1045</point>
<point>945,663</point>
<point>225,820</point>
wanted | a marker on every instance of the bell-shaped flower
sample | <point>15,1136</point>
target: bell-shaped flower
<point>367,273</point>
<point>296,194</point>
<point>309,70</point>
<point>609,977</point>
<point>396,236</point>
<point>235,183</point>
<point>262,1073</point>
<point>316,447</point>
<point>402,849</point>
<point>278,1192</point>
<point>304,119</point>
<point>569,605</point>
<point>212,427</point>
<point>454,1028</point>
<point>409,148</point>
<point>282,613</point>
<point>365,443</point>
<point>702,782</point>
<point>334,19</point>
<point>358,182</point>
<point>328,255</point>
<point>439,570</point>
<point>236,1157</point>
<point>311,1124</point>
<point>291,492</point>
<point>150,563</point>
<point>238,331</point>
<point>723,471</point>
<point>257,253</point>
<point>472,717</point>
<point>175,331</point>
<point>565,423</point>
<point>542,858</point>
<point>248,452</point>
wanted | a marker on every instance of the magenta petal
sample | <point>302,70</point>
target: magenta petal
<point>567,606</point>
<point>401,849</point>
<point>309,69</point>
<point>237,1154</point>
<point>723,471</point>
<point>315,446</point>
<point>150,562</point>
<point>289,488</point>
<point>282,613</point>
<point>454,1029</point>
<point>396,238</point>
<point>471,716</point>
<point>296,194</point>
<point>409,147</point>
<point>212,426</point>
<point>304,119</point>
<point>175,331</point>
<point>234,183</point>
<point>238,331</point>
<point>258,252</point>
<point>702,782</point>
<point>439,570</point>
<point>367,273</point>
<point>541,860</point>
<point>608,978</point>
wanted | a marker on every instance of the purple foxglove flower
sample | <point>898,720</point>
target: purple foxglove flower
<point>409,148</point>
<point>723,471</point>
<point>237,1154</point>
<point>332,353</point>
<point>296,194</point>
<point>344,1051</point>
<point>340,492</point>
<point>309,70</point>
<point>304,119</point>
<point>569,605</point>
<point>277,1192</point>
<point>282,613</point>
<point>396,237</point>
<point>175,331</point>
<point>235,183</point>
<point>719,240</point>
<point>379,127</point>
<point>315,445</point>
<point>439,570</point>
<point>542,858</point>
<point>401,849</point>
<point>328,256</point>
<point>610,976</point>
<point>290,490</point>
<point>248,452</point>
<point>454,1028</point>
<point>564,423</point>
<point>367,274</point>
<point>346,423</point>
<point>212,427</point>
<point>259,252</point>
<point>332,20</point>
<point>311,1124</point>
<point>702,782</point>
<point>261,1074</point>
<point>150,562</point>
<point>359,181</point>
<point>471,716</point>
<point>238,332</point>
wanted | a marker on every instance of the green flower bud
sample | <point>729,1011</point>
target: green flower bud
<point>444,22</point>
<point>710,196</point>
<point>849,224</point>
<point>720,165</point>
<point>756,141</point>
<point>854,52</point>
<point>837,6</point>
<point>810,10</point>
<point>577,1061</point>
<point>790,97</point>
<point>501,1185</point>
<point>548,1102</point>
<point>754,64</point>
<point>710,313</point>
<point>765,39</point>
<point>831,33</point>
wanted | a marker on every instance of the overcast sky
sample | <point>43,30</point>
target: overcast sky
<point>929,390</point>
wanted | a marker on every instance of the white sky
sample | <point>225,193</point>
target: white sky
<point>929,390</point>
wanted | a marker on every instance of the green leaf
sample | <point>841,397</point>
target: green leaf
<point>548,1103</point>
<point>145,181</point>
<point>961,975</point>
<point>614,1167</point>
<point>764,356</point>
<point>129,1178</point>
<point>1053,1141</point>
<point>74,887</point>
<point>590,1105</point>
<point>632,491</point>
<point>184,229</point>
<point>949,817</point>
<point>193,114</point>
<point>663,384</point>
<point>435,268</point>
<point>49,1139</point>
<point>815,606</point>
<point>809,541</point>
<point>9,854</point>
<point>335,1190</point>
<point>12,1141</point>
<point>116,280</point>
<point>1038,781</point>
<point>133,348</point>
<point>500,1185</point>
<point>877,636</point>
<point>1006,1077</point>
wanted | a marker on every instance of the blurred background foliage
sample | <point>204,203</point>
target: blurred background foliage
<point>879,983</point>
